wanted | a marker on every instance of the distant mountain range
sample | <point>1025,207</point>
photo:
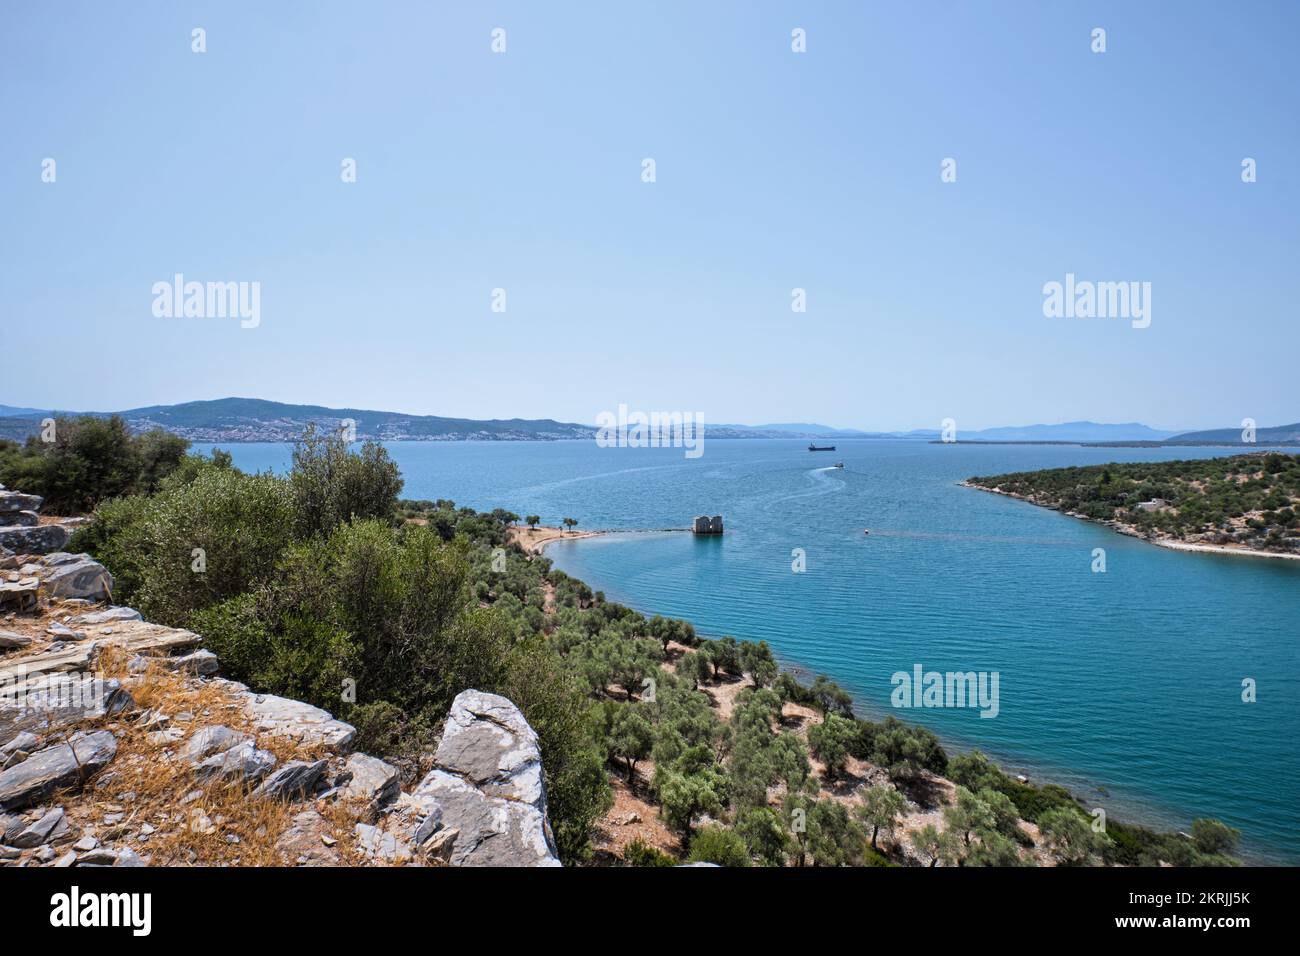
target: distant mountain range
<point>1276,434</point>
<point>254,419</point>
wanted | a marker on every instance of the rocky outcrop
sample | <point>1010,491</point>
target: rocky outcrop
<point>483,803</point>
<point>300,722</point>
<point>295,779</point>
<point>13,502</point>
<point>63,765</point>
<point>108,616</point>
<point>43,703</point>
<point>76,576</point>
<point>42,539</point>
<point>373,782</point>
<point>487,784</point>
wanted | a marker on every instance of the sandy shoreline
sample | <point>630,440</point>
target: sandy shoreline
<point>535,540</point>
<point>1172,544</point>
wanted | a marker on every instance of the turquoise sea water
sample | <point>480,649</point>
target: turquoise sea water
<point>1123,686</point>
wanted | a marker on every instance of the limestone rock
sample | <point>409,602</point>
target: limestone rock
<point>22,519</point>
<point>41,831</point>
<point>294,779</point>
<point>373,781</point>
<point>381,845</point>
<point>44,702</point>
<point>20,595</point>
<point>299,721</point>
<point>13,501</point>
<point>60,766</point>
<point>214,739</point>
<point>76,576</point>
<point>108,616</point>
<point>19,748</point>
<point>43,539</point>
<point>305,843</point>
<point>487,783</point>
<point>10,641</point>
<point>243,762</point>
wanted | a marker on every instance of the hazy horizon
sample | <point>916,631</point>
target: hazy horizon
<point>775,170</point>
<point>749,424</point>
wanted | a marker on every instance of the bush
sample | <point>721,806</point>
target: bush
<point>332,485</point>
<point>90,460</point>
<point>193,545</point>
<point>640,853</point>
<point>715,844</point>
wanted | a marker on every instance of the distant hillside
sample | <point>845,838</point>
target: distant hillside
<point>8,411</point>
<point>1263,436</point>
<point>1072,431</point>
<point>253,419</point>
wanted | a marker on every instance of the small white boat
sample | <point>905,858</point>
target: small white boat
<point>866,531</point>
<point>838,464</point>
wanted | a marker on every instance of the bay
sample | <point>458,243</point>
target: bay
<point>1123,686</point>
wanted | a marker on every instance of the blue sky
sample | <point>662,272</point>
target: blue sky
<point>775,170</point>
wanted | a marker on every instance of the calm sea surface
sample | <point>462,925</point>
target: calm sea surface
<point>1123,686</point>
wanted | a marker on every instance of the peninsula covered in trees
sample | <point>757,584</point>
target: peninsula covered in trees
<point>1246,504</point>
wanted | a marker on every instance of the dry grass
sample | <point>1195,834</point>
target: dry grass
<point>148,784</point>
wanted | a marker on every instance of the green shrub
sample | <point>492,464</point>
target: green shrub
<point>332,485</point>
<point>640,853</point>
<point>715,844</point>
<point>90,460</point>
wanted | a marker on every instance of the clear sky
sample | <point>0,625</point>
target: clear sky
<point>775,170</point>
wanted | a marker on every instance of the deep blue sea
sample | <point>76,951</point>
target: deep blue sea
<point>1123,686</point>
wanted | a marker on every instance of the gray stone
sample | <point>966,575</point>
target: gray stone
<point>242,762</point>
<point>10,826</point>
<point>294,779</point>
<point>47,702</point>
<point>206,741</point>
<point>380,845</point>
<point>10,641</point>
<point>22,519</point>
<point>76,576</point>
<point>21,595</point>
<point>298,721</point>
<point>11,501</point>
<point>108,616</point>
<point>61,766</point>
<point>307,841</point>
<point>202,663</point>
<point>373,781</point>
<point>43,539</point>
<point>64,633</point>
<point>487,782</point>
<point>18,748</point>
<point>101,857</point>
<point>429,825</point>
<point>41,831</point>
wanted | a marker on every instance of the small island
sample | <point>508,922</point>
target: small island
<point>1243,504</point>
